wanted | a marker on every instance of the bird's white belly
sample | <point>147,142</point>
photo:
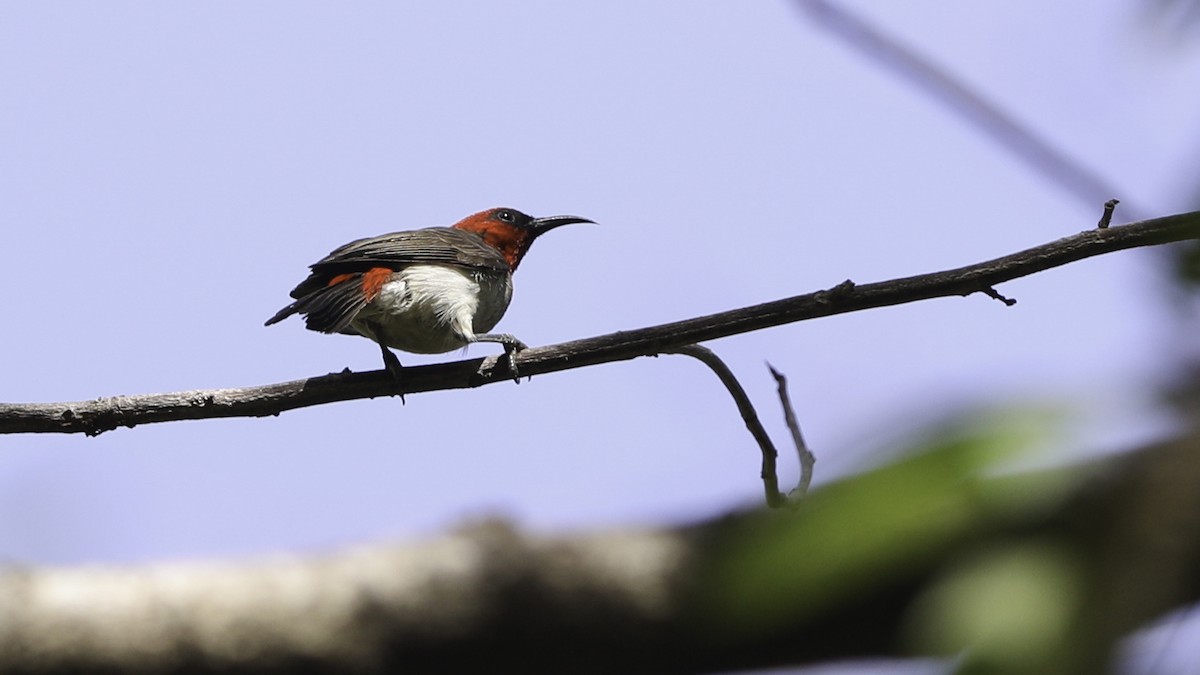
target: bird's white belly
<point>431,309</point>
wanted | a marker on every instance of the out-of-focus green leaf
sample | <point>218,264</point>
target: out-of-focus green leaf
<point>1011,608</point>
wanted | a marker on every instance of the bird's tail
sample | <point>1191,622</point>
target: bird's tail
<point>283,313</point>
<point>329,309</point>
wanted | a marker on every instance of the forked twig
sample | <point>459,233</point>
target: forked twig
<point>770,475</point>
<point>807,459</point>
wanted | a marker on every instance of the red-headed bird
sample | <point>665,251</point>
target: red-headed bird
<point>425,291</point>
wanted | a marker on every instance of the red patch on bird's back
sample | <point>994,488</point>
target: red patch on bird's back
<point>339,279</point>
<point>373,280</point>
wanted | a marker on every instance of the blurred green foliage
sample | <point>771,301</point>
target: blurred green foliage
<point>1012,603</point>
<point>1011,608</point>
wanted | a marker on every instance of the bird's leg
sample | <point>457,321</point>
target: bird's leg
<point>511,346</point>
<point>391,362</point>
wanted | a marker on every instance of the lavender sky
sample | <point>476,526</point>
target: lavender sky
<point>168,170</point>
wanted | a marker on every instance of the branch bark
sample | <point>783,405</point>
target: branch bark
<point>99,415</point>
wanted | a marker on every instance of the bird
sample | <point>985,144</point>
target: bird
<point>426,291</point>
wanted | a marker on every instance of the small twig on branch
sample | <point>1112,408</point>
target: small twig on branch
<point>807,458</point>
<point>94,417</point>
<point>770,476</point>
<point>994,294</point>
<point>1106,217</point>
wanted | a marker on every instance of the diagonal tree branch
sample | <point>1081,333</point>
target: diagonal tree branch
<point>99,415</point>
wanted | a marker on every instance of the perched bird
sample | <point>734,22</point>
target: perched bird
<point>423,291</point>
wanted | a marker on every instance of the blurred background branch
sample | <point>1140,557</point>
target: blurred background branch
<point>842,577</point>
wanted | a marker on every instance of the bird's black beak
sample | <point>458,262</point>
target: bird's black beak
<point>541,225</point>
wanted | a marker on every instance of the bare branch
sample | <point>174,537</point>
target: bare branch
<point>807,459</point>
<point>93,417</point>
<point>770,476</point>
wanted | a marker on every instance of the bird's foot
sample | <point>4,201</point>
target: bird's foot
<point>511,346</point>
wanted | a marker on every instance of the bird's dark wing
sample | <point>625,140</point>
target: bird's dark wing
<point>444,245</point>
<point>440,245</point>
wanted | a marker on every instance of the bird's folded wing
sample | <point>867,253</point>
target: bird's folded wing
<point>439,245</point>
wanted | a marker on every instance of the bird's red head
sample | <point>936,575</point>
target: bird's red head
<point>512,232</point>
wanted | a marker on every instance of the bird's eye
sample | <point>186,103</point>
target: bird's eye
<point>506,216</point>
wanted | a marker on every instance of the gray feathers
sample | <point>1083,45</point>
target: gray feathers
<point>438,245</point>
<point>330,309</point>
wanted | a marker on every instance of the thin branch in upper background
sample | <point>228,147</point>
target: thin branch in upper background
<point>1178,16</point>
<point>970,105</point>
<point>807,459</point>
